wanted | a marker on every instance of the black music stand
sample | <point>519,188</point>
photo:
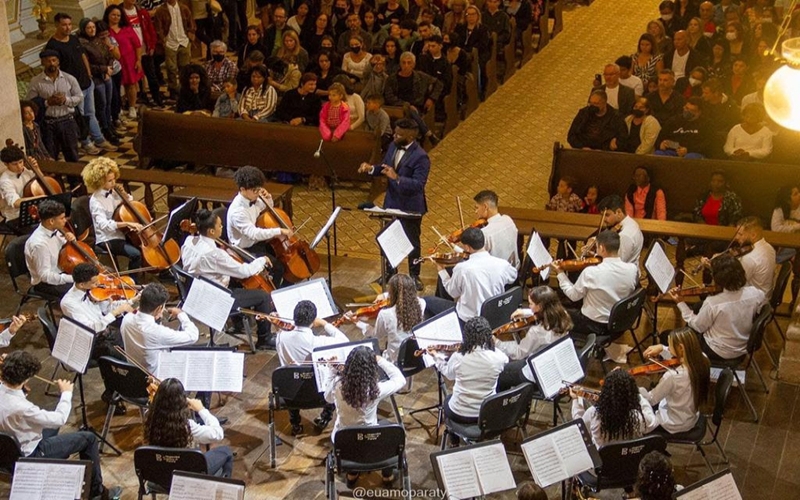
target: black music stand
<point>332,185</point>
<point>176,216</point>
<point>87,471</point>
<point>386,218</point>
<point>29,216</point>
<point>325,233</point>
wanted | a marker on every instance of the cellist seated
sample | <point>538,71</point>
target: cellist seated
<point>42,249</point>
<point>12,185</point>
<point>202,257</point>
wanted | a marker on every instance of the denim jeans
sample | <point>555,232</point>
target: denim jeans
<point>88,111</point>
<point>104,94</point>
<point>219,461</point>
<point>84,443</point>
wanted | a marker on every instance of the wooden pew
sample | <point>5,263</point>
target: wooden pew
<point>544,27</point>
<point>281,193</point>
<point>491,70</point>
<point>557,13</point>
<point>268,146</point>
<point>473,99</point>
<point>510,53</point>
<point>527,45</point>
<point>397,112</point>
<point>451,104</point>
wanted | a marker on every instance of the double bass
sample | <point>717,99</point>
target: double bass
<point>298,258</point>
<point>160,255</point>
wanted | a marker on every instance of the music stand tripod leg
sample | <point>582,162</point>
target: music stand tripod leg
<point>86,427</point>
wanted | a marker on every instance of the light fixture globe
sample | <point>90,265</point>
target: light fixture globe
<point>782,91</point>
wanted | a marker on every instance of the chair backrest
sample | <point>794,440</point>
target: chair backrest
<point>15,258</point>
<point>622,459</point>
<point>781,282</point>
<point>503,410</point>
<point>586,351</point>
<point>183,280</point>
<point>296,388</point>
<point>626,312</point>
<point>406,361</point>
<point>222,213</point>
<point>124,378</point>
<point>48,325</point>
<point>81,215</point>
<point>723,388</point>
<point>369,444</point>
<point>156,464</point>
<point>498,309</point>
<point>756,338</point>
<point>9,452</point>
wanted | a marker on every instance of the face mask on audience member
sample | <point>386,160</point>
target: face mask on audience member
<point>730,36</point>
<point>218,57</point>
<point>694,82</point>
<point>666,17</point>
<point>637,113</point>
<point>355,49</point>
<point>594,109</point>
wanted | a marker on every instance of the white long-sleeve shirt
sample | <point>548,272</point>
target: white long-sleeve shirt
<point>143,338</point>
<point>759,144</point>
<point>241,223</point>
<point>102,205</point>
<point>201,257</point>
<point>209,432</point>
<point>96,315</point>
<point>386,328</point>
<point>475,280</point>
<point>500,234</point>
<point>601,287</point>
<point>11,187</point>
<point>41,256</point>
<point>675,400</point>
<point>5,338</point>
<point>631,240</point>
<point>475,376</point>
<point>25,420</point>
<point>759,266</point>
<point>592,420</point>
<point>781,224</point>
<point>725,319</point>
<point>537,337</point>
<point>346,415</point>
<point>296,346</point>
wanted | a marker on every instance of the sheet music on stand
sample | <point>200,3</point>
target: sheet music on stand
<point>192,486</point>
<point>393,212</point>
<point>474,470</point>
<point>394,243</point>
<point>73,345</point>
<point>322,232</point>
<point>444,328</point>
<point>51,479</point>
<point>203,368</point>
<point>560,453</point>
<point>173,228</point>
<point>315,290</point>
<point>209,303</point>
<point>26,214</point>
<point>554,364</point>
<point>539,254</point>
<point>659,267</point>
<point>322,373</point>
<point>719,486</point>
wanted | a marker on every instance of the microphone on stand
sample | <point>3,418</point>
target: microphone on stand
<point>318,152</point>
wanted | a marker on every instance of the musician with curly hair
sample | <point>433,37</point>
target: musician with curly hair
<point>656,480</point>
<point>169,423</point>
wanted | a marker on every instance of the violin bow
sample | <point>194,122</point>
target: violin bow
<point>691,279</point>
<point>662,365</point>
<point>297,230</point>
<point>441,236</point>
<point>602,220</point>
<point>116,270</point>
<point>569,246</point>
<point>137,364</point>
<point>460,212</point>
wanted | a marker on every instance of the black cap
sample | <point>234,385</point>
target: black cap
<point>49,53</point>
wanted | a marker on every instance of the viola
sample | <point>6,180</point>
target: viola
<point>299,259</point>
<point>575,265</point>
<point>368,311</point>
<point>448,348</point>
<point>158,254</point>
<point>41,185</point>
<point>444,258</point>
<point>521,325</point>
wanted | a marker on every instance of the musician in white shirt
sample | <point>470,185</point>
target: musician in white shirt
<point>599,286</point>
<point>473,281</point>
<point>631,238</point>
<point>201,257</point>
<point>243,213</point>
<point>758,264</point>
<point>295,347</point>
<point>12,184</point>
<point>144,337</point>
<point>36,429</point>
<point>13,327</point>
<point>42,249</point>
<point>500,232</point>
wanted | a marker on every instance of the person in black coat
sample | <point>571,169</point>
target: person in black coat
<point>598,126</point>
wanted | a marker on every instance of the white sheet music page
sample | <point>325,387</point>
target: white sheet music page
<point>285,299</point>
<point>73,345</point>
<point>459,475</point>
<point>200,368</point>
<point>722,488</point>
<point>539,254</point>
<point>660,268</point>
<point>228,371</point>
<point>46,481</point>
<point>445,330</point>
<point>557,456</point>
<point>395,244</point>
<point>190,488</point>
<point>555,365</point>
<point>208,304</point>
<point>172,364</point>
<point>494,471</point>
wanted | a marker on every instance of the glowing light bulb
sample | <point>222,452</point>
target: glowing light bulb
<point>782,91</point>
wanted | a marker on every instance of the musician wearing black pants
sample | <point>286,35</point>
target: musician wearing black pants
<point>42,249</point>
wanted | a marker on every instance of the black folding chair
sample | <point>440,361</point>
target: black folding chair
<point>620,463</point>
<point>10,452</point>
<point>624,317</point>
<point>775,301</point>
<point>154,466</point>
<point>17,267</point>
<point>410,365</point>
<point>127,383</point>
<point>497,310</point>
<point>367,449</point>
<point>498,413</point>
<point>293,388</point>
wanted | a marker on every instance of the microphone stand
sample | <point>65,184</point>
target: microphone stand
<point>332,185</point>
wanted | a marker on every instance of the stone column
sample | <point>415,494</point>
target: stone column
<point>10,121</point>
<point>790,357</point>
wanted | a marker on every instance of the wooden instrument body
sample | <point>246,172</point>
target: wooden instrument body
<point>157,254</point>
<point>299,260</point>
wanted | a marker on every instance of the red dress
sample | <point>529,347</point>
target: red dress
<point>128,42</point>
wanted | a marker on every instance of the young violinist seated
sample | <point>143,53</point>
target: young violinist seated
<point>169,423</point>
<point>682,390</point>
<point>243,214</point>
<point>42,249</point>
<point>202,257</point>
<point>394,322</point>
<point>356,393</point>
<point>295,346</point>
<point>550,322</point>
<point>36,429</point>
<point>100,176</point>
<point>475,368</point>
<point>631,238</point>
<point>473,280</point>
<point>725,319</point>
<point>599,286</point>
<point>619,413</point>
<point>12,329</point>
<point>12,185</point>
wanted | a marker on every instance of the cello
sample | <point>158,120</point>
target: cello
<point>160,255</point>
<point>41,185</point>
<point>77,252</point>
<point>299,259</point>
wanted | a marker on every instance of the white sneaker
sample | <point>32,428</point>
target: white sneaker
<point>91,149</point>
<point>107,146</point>
<point>132,113</point>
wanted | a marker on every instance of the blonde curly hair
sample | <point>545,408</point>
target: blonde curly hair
<point>95,172</point>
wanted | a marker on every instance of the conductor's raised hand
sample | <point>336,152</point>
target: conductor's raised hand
<point>364,168</point>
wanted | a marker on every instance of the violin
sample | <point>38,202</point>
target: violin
<point>41,185</point>
<point>655,367</point>
<point>275,320</point>
<point>448,348</point>
<point>591,243</point>
<point>258,281</point>
<point>109,287</point>
<point>157,254</point>
<point>299,259</point>
<point>582,391</point>
<point>455,236</point>
<point>521,325</point>
<point>694,291</point>
<point>735,252</point>
<point>4,322</point>
<point>444,258</point>
<point>368,311</point>
<point>575,265</point>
